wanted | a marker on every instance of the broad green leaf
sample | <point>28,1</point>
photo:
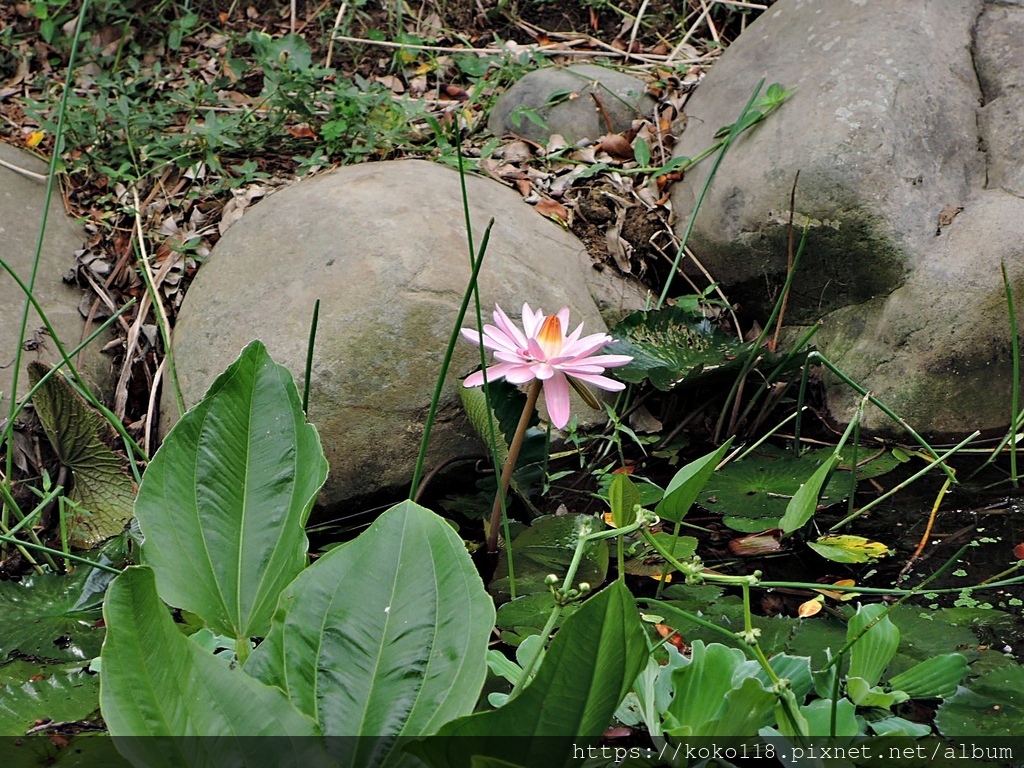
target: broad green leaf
<point>586,673</point>
<point>819,718</point>
<point>547,547</point>
<point>897,726</point>
<point>102,486</point>
<point>752,494</point>
<point>687,484</point>
<point>992,705</point>
<point>224,501</point>
<point>156,682</point>
<point>709,701</point>
<point>863,694</point>
<point>804,503</point>
<point>936,677</point>
<point>64,696</point>
<point>385,636</point>
<point>673,346</point>
<point>623,497</point>
<point>874,649</point>
<point>849,549</point>
<point>53,617</point>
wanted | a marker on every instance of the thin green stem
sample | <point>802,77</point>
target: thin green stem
<point>818,357</point>
<point>734,131</point>
<point>754,353</point>
<point>310,346</point>
<point>50,551</point>
<point>940,460</point>
<point>532,395</point>
<point>446,363</point>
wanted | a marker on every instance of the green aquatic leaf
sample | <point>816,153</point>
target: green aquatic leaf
<point>61,696</point>
<point>849,549</point>
<point>673,346</point>
<point>992,705</point>
<point>53,616</point>
<point>752,495</point>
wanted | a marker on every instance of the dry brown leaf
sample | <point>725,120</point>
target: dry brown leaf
<point>810,608</point>
<point>617,146</point>
<point>553,210</point>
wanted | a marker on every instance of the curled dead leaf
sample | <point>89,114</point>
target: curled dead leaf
<point>673,637</point>
<point>756,544</point>
<point>616,146</point>
<point>810,608</point>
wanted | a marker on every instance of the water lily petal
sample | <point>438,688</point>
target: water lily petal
<point>563,317</point>
<point>574,336</point>
<point>556,395</point>
<point>605,361</point>
<point>601,382</point>
<point>519,374</point>
<point>511,357</point>
<point>472,336</point>
<point>510,329</point>
<point>531,321</point>
<point>494,373</point>
<point>542,371</point>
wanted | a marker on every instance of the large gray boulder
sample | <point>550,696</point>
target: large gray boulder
<point>571,102</point>
<point>22,201</point>
<point>383,246</point>
<point>905,126</point>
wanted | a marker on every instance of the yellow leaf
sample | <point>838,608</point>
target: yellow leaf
<point>35,138</point>
<point>810,608</point>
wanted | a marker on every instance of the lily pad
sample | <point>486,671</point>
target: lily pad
<point>752,494</point>
<point>992,705</point>
<point>530,613</point>
<point>547,547</point>
<point>54,617</point>
<point>60,697</point>
<point>102,489</point>
<point>673,346</point>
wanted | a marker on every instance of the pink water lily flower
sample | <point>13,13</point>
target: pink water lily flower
<point>545,353</point>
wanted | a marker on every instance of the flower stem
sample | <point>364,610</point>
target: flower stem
<point>510,464</point>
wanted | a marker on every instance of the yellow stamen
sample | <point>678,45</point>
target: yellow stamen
<point>549,337</point>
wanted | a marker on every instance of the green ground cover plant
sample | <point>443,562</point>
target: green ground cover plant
<point>714,577</point>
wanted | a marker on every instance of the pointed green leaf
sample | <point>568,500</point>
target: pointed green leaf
<point>623,497</point>
<point>102,487</point>
<point>819,718</point>
<point>385,636</point>
<point>586,673</point>
<point>687,484</point>
<point>863,694</point>
<point>224,501</point>
<point>154,681</point>
<point>874,649</point>
<point>936,677</point>
<point>804,503</point>
<point>708,700</point>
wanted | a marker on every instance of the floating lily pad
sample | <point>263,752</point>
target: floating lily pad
<point>870,461</point>
<point>530,613</point>
<point>992,705</point>
<point>547,547</point>
<point>752,494</point>
<point>54,617</point>
<point>673,346</point>
<point>60,697</point>
<point>102,487</point>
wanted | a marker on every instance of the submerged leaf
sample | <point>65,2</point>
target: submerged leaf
<point>102,487</point>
